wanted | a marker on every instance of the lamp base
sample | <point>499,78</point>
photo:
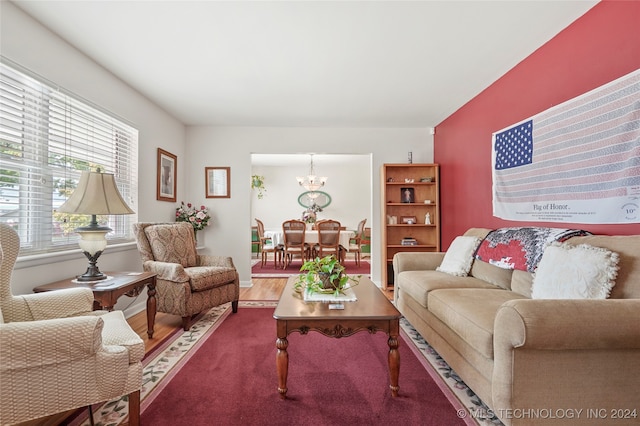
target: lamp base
<point>92,273</point>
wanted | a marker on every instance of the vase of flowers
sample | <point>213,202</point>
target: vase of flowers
<point>198,218</point>
<point>310,215</point>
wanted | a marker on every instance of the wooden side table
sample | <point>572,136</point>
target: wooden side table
<point>106,292</point>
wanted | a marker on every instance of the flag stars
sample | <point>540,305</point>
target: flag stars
<point>513,147</point>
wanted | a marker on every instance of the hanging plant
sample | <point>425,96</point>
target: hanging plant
<point>257,182</point>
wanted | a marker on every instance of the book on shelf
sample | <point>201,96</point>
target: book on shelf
<point>409,242</point>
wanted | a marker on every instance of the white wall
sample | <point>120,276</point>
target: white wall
<point>230,233</point>
<point>27,43</point>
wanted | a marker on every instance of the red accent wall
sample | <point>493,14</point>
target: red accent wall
<point>600,46</point>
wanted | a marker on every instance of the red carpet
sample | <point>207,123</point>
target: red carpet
<point>294,268</point>
<point>231,380</point>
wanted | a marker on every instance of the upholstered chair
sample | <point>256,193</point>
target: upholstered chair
<point>56,354</point>
<point>187,283</point>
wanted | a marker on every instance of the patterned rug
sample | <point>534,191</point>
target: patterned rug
<point>166,360</point>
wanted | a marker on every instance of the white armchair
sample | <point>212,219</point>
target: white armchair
<point>56,354</point>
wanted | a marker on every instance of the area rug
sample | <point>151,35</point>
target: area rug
<point>269,270</point>
<point>189,379</point>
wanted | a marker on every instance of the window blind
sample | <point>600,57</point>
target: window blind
<point>47,138</point>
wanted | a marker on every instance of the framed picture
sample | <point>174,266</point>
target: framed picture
<point>167,169</point>
<point>407,195</point>
<point>217,182</point>
<point>408,220</point>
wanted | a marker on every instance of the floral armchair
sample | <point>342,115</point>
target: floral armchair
<point>56,354</point>
<point>187,283</point>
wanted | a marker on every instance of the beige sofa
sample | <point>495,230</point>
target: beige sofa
<point>532,361</point>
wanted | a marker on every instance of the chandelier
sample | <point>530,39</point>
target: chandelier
<point>311,182</point>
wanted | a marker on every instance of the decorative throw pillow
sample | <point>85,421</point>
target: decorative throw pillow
<point>575,272</point>
<point>458,259</point>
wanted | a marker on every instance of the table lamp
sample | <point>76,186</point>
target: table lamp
<point>96,194</point>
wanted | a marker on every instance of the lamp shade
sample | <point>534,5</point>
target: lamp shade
<point>96,194</point>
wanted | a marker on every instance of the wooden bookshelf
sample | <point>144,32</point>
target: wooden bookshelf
<point>405,188</point>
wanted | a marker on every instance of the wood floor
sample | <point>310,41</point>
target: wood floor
<point>262,289</point>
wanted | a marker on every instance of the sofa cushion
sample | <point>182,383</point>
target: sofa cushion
<point>492,274</point>
<point>521,282</point>
<point>575,272</point>
<point>627,246</point>
<point>418,284</point>
<point>172,243</point>
<point>459,257</point>
<point>470,313</point>
<point>208,277</point>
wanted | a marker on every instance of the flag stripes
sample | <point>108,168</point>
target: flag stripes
<point>587,148</point>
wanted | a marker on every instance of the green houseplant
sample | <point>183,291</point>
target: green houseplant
<point>257,182</point>
<point>324,275</point>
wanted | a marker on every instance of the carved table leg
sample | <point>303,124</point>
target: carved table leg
<point>394,364</point>
<point>282,365</point>
<point>151,308</point>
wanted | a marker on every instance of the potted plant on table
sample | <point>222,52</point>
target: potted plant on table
<point>325,275</point>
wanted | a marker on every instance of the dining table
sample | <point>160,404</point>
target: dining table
<point>310,236</point>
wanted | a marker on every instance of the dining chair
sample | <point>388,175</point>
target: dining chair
<point>355,245</point>
<point>315,224</point>
<point>294,245</point>
<point>329,240</point>
<point>268,246</point>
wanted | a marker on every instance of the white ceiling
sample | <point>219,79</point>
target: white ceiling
<point>308,63</point>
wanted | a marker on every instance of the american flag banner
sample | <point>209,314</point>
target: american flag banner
<point>577,162</point>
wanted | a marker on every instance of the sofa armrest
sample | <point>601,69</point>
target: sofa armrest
<point>167,271</point>
<point>568,324</point>
<point>408,261</point>
<point>545,350</point>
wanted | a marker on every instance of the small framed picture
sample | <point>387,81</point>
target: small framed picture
<point>167,172</point>
<point>408,220</point>
<point>407,195</point>
<point>218,182</point>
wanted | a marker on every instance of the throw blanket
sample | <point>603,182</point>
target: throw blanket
<point>521,248</point>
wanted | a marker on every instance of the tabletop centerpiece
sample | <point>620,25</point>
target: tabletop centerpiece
<point>325,276</point>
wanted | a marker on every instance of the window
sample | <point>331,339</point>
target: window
<point>47,138</point>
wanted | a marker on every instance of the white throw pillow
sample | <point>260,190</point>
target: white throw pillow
<point>575,272</point>
<point>458,259</point>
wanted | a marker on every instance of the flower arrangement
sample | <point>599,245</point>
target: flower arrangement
<point>310,214</point>
<point>197,218</point>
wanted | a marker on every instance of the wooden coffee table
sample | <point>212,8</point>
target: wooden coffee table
<point>372,312</point>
